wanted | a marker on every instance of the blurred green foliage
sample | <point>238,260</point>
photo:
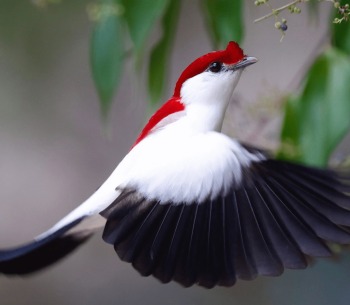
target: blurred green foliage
<point>225,21</point>
<point>160,54</point>
<point>107,53</point>
<point>318,117</point>
<point>135,18</point>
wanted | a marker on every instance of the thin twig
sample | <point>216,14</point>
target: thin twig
<point>278,10</point>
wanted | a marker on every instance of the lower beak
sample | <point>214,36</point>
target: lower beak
<point>245,62</point>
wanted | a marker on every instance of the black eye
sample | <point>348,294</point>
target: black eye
<point>215,67</point>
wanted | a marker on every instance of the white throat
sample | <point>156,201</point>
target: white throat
<point>206,97</point>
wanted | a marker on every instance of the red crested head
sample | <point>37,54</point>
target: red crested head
<point>231,55</point>
<point>232,59</point>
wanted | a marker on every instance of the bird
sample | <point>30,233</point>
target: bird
<point>190,204</point>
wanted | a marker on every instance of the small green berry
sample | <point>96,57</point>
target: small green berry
<point>278,25</point>
<point>260,2</point>
<point>336,4</point>
<point>346,6</point>
<point>284,21</point>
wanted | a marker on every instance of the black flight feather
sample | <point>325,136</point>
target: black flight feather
<point>277,217</point>
<point>278,238</point>
<point>41,253</point>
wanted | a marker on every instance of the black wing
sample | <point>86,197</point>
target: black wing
<point>281,215</point>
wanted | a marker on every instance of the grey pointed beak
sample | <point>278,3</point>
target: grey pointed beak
<point>245,62</point>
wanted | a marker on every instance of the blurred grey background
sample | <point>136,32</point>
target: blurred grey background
<point>54,152</point>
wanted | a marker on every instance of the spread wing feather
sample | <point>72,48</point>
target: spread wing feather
<point>279,216</point>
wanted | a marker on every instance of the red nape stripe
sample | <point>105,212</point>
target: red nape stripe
<point>171,106</point>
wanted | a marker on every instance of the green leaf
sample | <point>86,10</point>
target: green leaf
<point>225,20</point>
<point>341,34</point>
<point>106,53</point>
<point>317,120</point>
<point>161,52</point>
<point>140,16</point>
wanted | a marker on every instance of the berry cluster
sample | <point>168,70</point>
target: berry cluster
<point>343,11</point>
<point>293,8</point>
<point>280,23</point>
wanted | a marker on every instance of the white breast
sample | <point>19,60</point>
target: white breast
<point>186,168</point>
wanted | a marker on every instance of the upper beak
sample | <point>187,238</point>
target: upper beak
<point>245,62</point>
